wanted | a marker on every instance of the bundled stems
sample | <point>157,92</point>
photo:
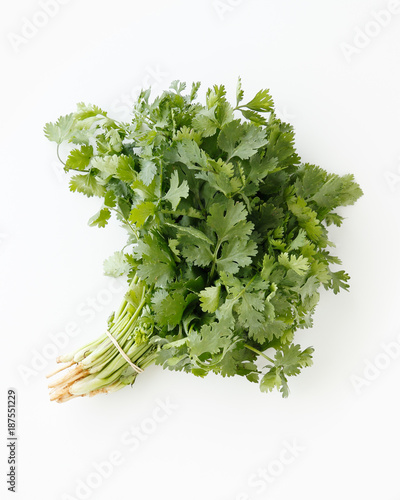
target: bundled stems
<point>106,365</point>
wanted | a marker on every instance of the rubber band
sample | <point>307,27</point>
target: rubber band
<point>123,354</point>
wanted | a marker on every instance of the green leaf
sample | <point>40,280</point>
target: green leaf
<point>106,164</point>
<point>144,191</point>
<point>79,159</point>
<point>306,217</point>
<point>169,309</point>
<point>239,91</point>
<point>260,168</point>
<point>60,131</point>
<point>333,218</point>
<point>85,111</point>
<point>270,381</point>
<point>116,265</point>
<point>310,179</point>
<point>156,264</point>
<point>101,218</point>
<point>262,102</point>
<point>205,122</point>
<point>250,312</point>
<point>86,184</point>
<point>176,191</point>
<point>221,182</point>
<point>267,267</point>
<point>309,288</point>
<point>126,169</point>
<point>241,139</point>
<point>194,90</point>
<point>228,220</point>
<point>211,339</point>
<point>188,152</point>
<point>195,250</point>
<point>189,231</point>
<point>291,359</point>
<point>178,86</point>
<point>110,199</point>
<point>209,298</point>
<point>114,140</point>
<point>339,280</point>
<point>300,240</point>
<point>187,133</point>
<point>299,265</point>
<point>288,362</point>
<point>327,190</point>
<point>215,95</point>
<point>148,170</point>
<point>141,212</point>
<point>238,361</point>
<point>321,271</point>
<point>273,329</point>
<point>281,145</point>
<point>235,254</point>
<point>254,117</point>
<point>338,191</point>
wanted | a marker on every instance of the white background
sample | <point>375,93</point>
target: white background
<point>345,105</point>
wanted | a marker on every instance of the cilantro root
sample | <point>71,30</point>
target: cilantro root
<point>227,244</point>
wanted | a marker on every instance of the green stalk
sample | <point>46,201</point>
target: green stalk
<point>99,366</point>
<point>259,352</point>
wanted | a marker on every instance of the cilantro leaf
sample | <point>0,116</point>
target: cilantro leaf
<point>169,310</point>
<point>241,139</point>
<point>298,264</point>
<point>254,117</point>
<point>326,190</point>
<point>107,165</point>
<point>87,184</point>
<point>288,362</point>
<point>228,220</point>
<point>209,298</point>
<point>291,358</point>
<point>306,217</point>
<point>126,169</point>
<point>155,263</point>
<point>110,199</point>
<point>142,212</point>
<point>116,265</point>
<point>262,102</point>
<point>338,280</point>
<point>176,191</point>
<point>211,339</point>
<point>196,250</point>
<point>148,171</point>
<point>60,131</point>
<point>239,92</point>
<point>205,122</point>
<point>270,381</point>
<point>188,152</point>
<point>101,218</point>
<point>235,254</point>
<point>250,312</point>
<point>79,159</point>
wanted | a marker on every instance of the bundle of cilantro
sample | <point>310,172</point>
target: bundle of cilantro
<point>227,238</point>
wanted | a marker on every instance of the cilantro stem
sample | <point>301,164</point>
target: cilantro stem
<point>58,155</point>
<point>259,352</point>
<point>127,222</point>
<point>215,259</point>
